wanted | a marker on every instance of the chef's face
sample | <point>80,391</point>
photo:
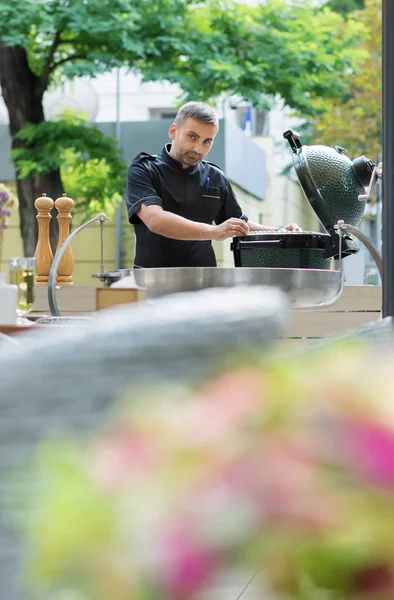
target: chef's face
<point>191,141</point>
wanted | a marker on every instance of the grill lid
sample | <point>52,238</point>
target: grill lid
<point>331,182</point>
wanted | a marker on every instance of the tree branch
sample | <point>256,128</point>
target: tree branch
<point>47,67</point>
<point>65,60</point>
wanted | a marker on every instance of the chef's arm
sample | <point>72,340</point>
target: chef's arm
<point>173,226</point>
<point>257,227</point>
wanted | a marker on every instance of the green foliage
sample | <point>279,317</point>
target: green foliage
<point>91,168</point>
<point>92,184</point>
<point>87,38</point>
<point>85,530</point>
<point>209,47</point>
<point>356,122</point>
<point>271,49</point>
<point>20,21</point>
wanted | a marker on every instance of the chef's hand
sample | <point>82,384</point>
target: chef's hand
<point>231,228</point>
<point>292,227</point>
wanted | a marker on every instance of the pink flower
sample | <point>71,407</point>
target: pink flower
<point>186,564</point>
<point>123,456</point>
<point>280,480</point>
<point>225,405</point>
<point>370,451</point>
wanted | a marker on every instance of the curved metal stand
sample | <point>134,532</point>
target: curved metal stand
<point>364,240</point>
<point>101,218</point>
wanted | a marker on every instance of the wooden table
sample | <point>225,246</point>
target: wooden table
<point>15,329</point>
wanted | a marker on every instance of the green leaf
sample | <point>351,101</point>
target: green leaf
<point>354,121</point>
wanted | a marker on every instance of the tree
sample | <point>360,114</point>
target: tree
<point>291,50</point>
<point>210,47</point>
<point>43,40</point>
<point>356,123</point>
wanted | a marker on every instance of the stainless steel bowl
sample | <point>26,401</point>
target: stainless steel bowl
<point>305,288</point>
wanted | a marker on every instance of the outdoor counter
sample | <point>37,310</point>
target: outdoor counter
<point>357,306</point>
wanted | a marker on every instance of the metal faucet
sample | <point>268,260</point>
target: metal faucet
<point>101,218</point>
<point>341,225</point>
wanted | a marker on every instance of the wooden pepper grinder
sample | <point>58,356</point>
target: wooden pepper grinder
<point>43,253</point>
<point>66,266</point>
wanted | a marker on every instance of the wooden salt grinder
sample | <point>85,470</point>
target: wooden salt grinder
<point>43,253</point>
<point>66,266</point>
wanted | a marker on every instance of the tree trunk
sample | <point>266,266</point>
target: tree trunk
<point>23,93</point>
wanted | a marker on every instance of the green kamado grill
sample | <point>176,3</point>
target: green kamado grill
<point>332,184</point>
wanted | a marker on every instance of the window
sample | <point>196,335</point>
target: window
<point>260,120</point>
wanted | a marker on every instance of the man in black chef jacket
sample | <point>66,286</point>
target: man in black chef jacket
<point>174,198</point>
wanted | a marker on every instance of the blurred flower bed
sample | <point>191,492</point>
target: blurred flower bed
<point>8,200</point>
<point>286,468</point>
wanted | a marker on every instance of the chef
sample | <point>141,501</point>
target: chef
<point>178,202</point>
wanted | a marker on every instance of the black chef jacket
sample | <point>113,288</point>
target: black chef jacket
<point>200,193</point>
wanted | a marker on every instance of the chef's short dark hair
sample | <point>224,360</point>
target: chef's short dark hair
<point>199,111</point>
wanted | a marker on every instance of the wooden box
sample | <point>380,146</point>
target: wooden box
<point>108,297</point>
